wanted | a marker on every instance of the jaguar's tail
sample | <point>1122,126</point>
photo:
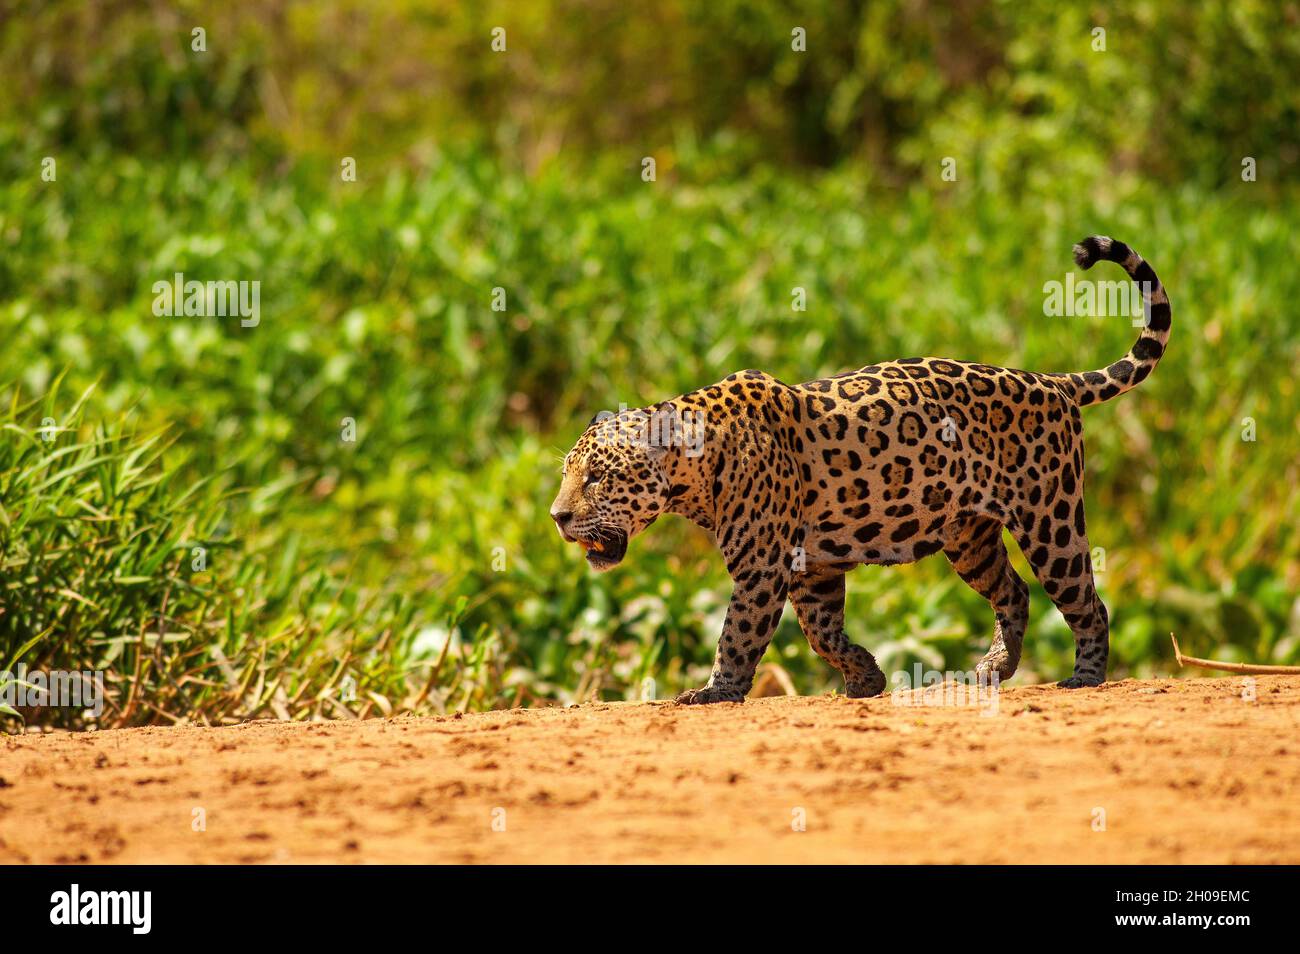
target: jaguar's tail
<point>1092,387</point>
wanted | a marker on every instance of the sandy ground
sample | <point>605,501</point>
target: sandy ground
<point>1184,771</point>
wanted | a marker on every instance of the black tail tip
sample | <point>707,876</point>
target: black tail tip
<point>1091,250</point>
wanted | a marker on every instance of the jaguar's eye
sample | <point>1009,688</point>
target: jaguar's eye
<point>593,477</point>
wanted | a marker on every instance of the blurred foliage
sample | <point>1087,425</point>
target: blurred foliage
<point>1181,91</point>
<point>417,565</point>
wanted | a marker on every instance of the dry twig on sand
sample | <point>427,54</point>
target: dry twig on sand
<point>1232,667</point>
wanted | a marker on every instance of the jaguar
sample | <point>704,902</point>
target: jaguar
<point>886,464</point>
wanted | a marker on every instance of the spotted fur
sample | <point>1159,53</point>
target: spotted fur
<point>886,464</point>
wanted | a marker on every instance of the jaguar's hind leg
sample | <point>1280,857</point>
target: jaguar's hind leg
<point>974,547</point>
<point>1056,546</point>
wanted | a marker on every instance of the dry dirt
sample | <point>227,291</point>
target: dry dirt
<point>1186,771</point>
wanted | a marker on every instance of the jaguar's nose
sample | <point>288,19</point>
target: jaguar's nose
<point>562,517</point>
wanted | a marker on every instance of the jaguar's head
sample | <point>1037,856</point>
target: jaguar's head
<point>613,486</point>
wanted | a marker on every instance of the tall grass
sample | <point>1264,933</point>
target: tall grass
<point>116,558</point>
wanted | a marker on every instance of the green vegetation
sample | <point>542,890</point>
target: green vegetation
<point>179,503</point>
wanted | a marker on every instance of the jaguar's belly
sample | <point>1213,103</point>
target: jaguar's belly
<point>886,542</point>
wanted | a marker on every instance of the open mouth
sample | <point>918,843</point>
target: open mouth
<point>606,549</point>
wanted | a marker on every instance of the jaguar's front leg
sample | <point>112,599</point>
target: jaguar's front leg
<point>760,583</point>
